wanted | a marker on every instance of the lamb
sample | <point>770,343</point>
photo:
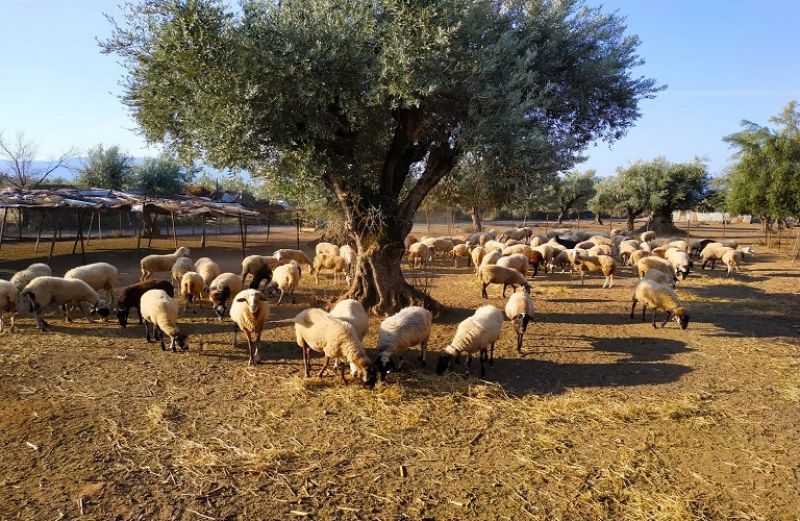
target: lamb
<point>22,278</point>
<point>460,251</point>
<point>160,312</point>
<point>660,277</point>
<point>517,262</point>
<point>714,252</point>
<point>315,329</point>
<point>43,291</point>
<point>208,269</point>
<point>181,266</point>
<point>418,252</point>
<point>284,278</point>
<point>285,255</point>
<point>9,300</point>
<point>352,312</point>
<point>99,276</point>
<point>191,289</point>
<point>596,263</point>
<point>648,236</point>
<point>477,254</point>
<point>131,296</point>
<point>350,258</point>
<point>519,309</point>
<point>222,288</point>
<point>733,258</point>
<point>477,333</point>
<point>500,275</point>
<point>408,327</point>
<point>659,297</point>
<point>680,262</point>
<point>249,311</point>
<point>326,248</point>
<point>653,262</point>
<point>156,263</point>
<point>636,256</point>
<point>252,263</point>
<point>329,262</point>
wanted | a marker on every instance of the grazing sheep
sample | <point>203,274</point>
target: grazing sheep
<point>585,245</point>
<point>249,311</point>
<point>636,256</point>
<point>208,269</point>
<point>680,262</point>
<point>336,339</point>
<point>263,273</point>
<point>477,333</point>
<point>157,263</point>
<point>600,249</point>
<point>697,245</point>
<point>563,260</point>
<point>491,246</point>
<point>547,252</point>
<point>22,278</point>
<point>438,245</point>
<point>733,259</point>
<point>326,248</point>
<point>660,277</point>
<point>519,309</point>
<point>352,312</point>
<point>181,266</point>
<point>626,249</point>
<point>284,278</point>
<point>601,239</point>
<point>409,240</point>
<point>616,232</point>
<point>131,296</point>
<point>660,251</point>
<point>653,262</point>
<point>658,296</point>
<point>99,276</point>
<point>42,291</point>
<point>9,299</point>
<point>648,236</point>
<point>285,255</point>
<point>485,237</point>
<point>160,312</point>
<point>350,258</point>
<point>191,289</point>
<point>538,240</point>
<point>680,245</point>
<point>490,258</point>
<point>408,327</point>
<point>499,275</point>
<point>252,263</point>
<point>596,263</point>
<point>477,254</point>
<point>418,252</point>
<point>460,251</point>
<point>517,262</point>
<point>714,252</point>
<point>329,262</point>
<point>222,288</point>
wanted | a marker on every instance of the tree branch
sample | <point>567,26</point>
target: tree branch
<point>396,164</point>
<point>441,160</point>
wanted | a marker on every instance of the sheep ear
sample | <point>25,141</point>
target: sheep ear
<point>261,296</point>
<point>241,299</point>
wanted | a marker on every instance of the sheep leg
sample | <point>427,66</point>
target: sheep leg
<point>251,348</point>
<point>644,311</point>
<point>235,331</point>
<point>482,357</point>
<point>483,291</point>
<point>468,364</point>
<point>582,275</point>
<point>293,299</point>
<point>280,299</point>
<point>669,316</point>
<point>491,355</point>
<point>157,331</point>
<point>341,372</point>
<point>325,364</point>
<point>306,361</point>
<point>633,306</point>
<point>423,351</point>
<point>504,289</point>
<point>40,322</point>
<point>655,312</point>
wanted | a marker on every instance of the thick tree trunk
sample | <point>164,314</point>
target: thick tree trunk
<point>631,221</point>
<point>597,219</point>
<point>560,219</point>
<point>663,224</point>
<point>477,220</point>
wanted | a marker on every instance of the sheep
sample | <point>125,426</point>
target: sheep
<point>352,312</point>
<point>191,289</point>
<point>585,245</point>
<point>515,234</point>
<point>181,266</point>
<point>437,244</point>
<point>563,260</point>
<point>418,252</point>
<point>263,273</point>
<point>208,269</point>
<point>21,278</point>
<point>490,258</point>
<point>9,299</point>
<point>160,312</point>
<point>519,309</point>
<point>660,251</point>
<point>680,262</point>
<point>43,291</point>
<point>627,248</point>
<point>714,252</point>
<point>680,244</point>
<point>249,311</point>
<point>334,263</point>
<point>596,263</point>
<point>600,249</point>
<point>350,258</point>
<point>513,242</point>
<point>99,275</point>
<point>477,254</point>
<point>284,278</point>
<point>223,287</point>
<point>477,333</point>
<point>538,240</point>
<point>546,252</point>
<point>491,246</point>
<point>460,251</point>
<point>252,263</point>
<point>500,275</point>
<point>658,296</point>
<point>156,263</point>
<point>616,232</point>
<point>285,255</point>
<point>517,262</point>
<point>315,329</point>
<point>636,256</point>
<point>648,236</point>
<point>408,327</point>
<point>326,248</point>
<point>696,246</point>
<point>131,296</point>
<point>733,258</point>
<point>660,277</point>
<point>535,257</point>
<point>653,262</point>
<point>409,240</point>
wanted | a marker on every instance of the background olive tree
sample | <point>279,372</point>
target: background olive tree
<point>105,168</point>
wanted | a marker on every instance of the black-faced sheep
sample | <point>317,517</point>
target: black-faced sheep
<point>477,333</point>
<point>43,291</point>
<point>408,327</point>
<point>659,297</point>
<point>131,296</point>
<point>160,312</point>
<point>499,275</point>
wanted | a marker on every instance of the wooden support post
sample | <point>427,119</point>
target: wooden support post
<point>780,235</point>
<point>91,224</point>
<point>120,223</point>
<point>139,232</point>
<point>203,236</point>
<point>723,226</point>
<point>79,237</point>
<point>39,232</point>
<point>796,248</point>
<point>547,222</point>
<point>3,226</point>
<point>152,230</point>
<point>19,224</point>
<point>269,224</point>
<point>298,230</point>
<point>241,237</point>
<point>99,230</point>
<point>174,232</point>
<point>56,231</point>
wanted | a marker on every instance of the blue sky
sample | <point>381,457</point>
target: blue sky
<point>723,61</point>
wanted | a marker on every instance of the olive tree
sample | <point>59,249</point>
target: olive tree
<point>572,192</point>
<point>378,100</point>
<point>105,168</point>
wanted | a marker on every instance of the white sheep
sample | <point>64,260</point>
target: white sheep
<point>249,311</point>
<point>491,246</point>
<point>596,263</point>
<point>660,277</point>
<point>636,256</point>
<point>490,258</point>
<point>285,278</point>
<point>519,309</point>
<point>156,263</point>
<point>326,248</point>
<point>408,327</point>
<point>499,275</point>
<point>222,289</point>
<point>601,249</point>
<point>352,312</point>
<point>477,333</point>
<point>659,297</point>
<point>99,276</point>
<point>336,339</point>
<point>9,300</point>
<point>350,257</point>
<point>714,252</point>
<point>680,262</point>
<point>191,289</point>
<point>208,269</point>
<point>648,236</point>
<point>460,251</point>
<point>733,259</point>
<point>418,252</point>
<point>21,278</point>
<point>43,291</point>
<point>335,263</point>
<point>653,262</point>
<point>252,263</point>
<point>181,266</point>
<point>285,255</point>
<point>517,261</point>
<point>477,254</point>
<point>160,312</point>
<point>409,240</point>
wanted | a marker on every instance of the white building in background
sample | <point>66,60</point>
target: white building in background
<point>682,216</point>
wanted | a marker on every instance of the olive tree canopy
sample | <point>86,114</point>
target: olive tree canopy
<point>378,100</point>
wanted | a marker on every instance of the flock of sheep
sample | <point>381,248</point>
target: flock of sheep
<point>506,258</point>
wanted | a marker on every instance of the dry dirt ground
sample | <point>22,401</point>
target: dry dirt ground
<point>601,418</point>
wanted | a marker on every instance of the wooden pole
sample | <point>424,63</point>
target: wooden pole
<point>3,226</point>
<point>298,230</point>
<point>547,222</point>
<point>140,232</point>
<point>241,237</point>
<point>796,247</point>
<point>203,236</point>
<point>19,224</point>
<point>56,231</point>
<point>80,235</point>
<point>174,232</point>
<point>91,224</point>
<point>723,226</point>
<point>99,230</point>
<point>780,235</point>
<point>39,233</point>
<point>120,223</point>
<point>269,225</point>
<point>152,229</point>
